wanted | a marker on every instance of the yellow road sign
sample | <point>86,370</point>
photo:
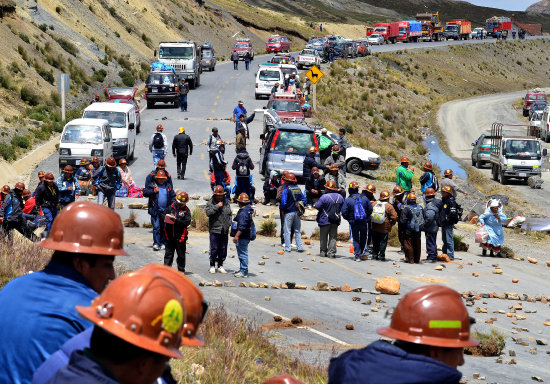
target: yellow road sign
<point>314,74</point>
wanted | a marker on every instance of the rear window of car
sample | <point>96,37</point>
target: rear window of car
<point>286,105</point>
<point>267,75</point>
<point>161,78</point>
<point>486,140</point>
<point>275,40</point>
<point>294,141</point>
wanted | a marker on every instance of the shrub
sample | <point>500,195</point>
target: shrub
<point>56,98</point>
<point>46,75</point>
<point>199,220</point>
<point>393,239</point>
<point>21,258</point>
<point>67,46</point>
<point>20,141</point>
<point>58,9</point>
<point>490,344</point>
<point>29,97</point>
<point>459,243</point>
<point>24,37</point>
<point>7,151</point>
<point>43,27</point>
<point>268,228</point>
<point>316,234</point>
<point>127,78</point>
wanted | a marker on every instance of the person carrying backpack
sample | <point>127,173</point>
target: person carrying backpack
<point>383,218</point>
<point>291,208</point>
<point>242,166</point>
<point>329,218</point>
<point>448,217</point>
<point>107,181</point>
<point>398,204</point>
<point>243,232</point>
<point>158,145</point>
<point>412,218</point>
<point>218,163</point>
<point>357,210</point>
<point>428,178</point>
<point>431,223</point>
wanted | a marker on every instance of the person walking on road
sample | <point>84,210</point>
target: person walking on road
<point>238,111</point>
<point>240,141</point>
<point>69,189</point>
<point>247,60</point>
<point>177,219</point>
<point>429,355</point>
<point>343,143</point>
<point>211,144</point>
<point>398,204</point>
<point>182,147</point>
<point>428,178</point>
<point>161,195</point>
<point>107,181</point>
<point>271,184</point>
<point>310,162</point>
<point>448,181</point>
<point>315,186</point>
<point>243,232</point>
<point>448,217</point>
<point>412,219</point>
<point>218,163</point>
<point>183,91</point>
<point>242,122</point>
<point>431,223</point>
<point>150,178</point>
<point>219,215</point>
<point>383,218</point>
<point>242,165</point>
<point>329,218</point>
<point>404,175</point>
<point>492,219</point>
<point>158,145</point>
<point>292,200</point>
<point>47,197</point>
<point>235,59</point>
<point>84,177</point>
<point>357,210</point>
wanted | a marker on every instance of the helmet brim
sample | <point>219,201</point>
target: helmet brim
<point>76,248</point>
<point>426,340</point>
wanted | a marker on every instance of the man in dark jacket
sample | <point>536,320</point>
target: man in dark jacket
<point>218,162</point>
<point>448,218</point>
<point>182,146</point>
<point>107,182</point>
<point>431,223</point>
<point>218,211</point>
<point>69,188</point>
<point>150,178</point>
<point>177,219</point>
<point>240,140</point>
<point>243,121</point>
<point>338,159</point>
<point>310,163</point>
<point>235,60</point>
<point>47,197</point>
<point>292,195</point>
<point>271,184</point>
<point>328,218</point>
<point>430,355</point>
<point>412,220</point>
<point>398,203</point>
<point>183,91</point>
<point>161,195</point>
<point>357,210</point>
<point>11,214</point>
<point>242,165</point>
<point>241,237</point>
<point>41,176</point>
<point>315,186</point>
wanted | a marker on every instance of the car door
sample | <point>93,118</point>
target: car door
<point>131,116</point>
<point>107,141</point>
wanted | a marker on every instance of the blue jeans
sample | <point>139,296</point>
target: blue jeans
<point>101,196</point>
<point>331,57</point>
<point>242,252</point>
<point>50,215</point>
<point>159,237</point>
<point>431,245</point>
<point>293,220</point>
<point>247,64</point>
<point>359,233</point>
<point>448,241</point>
<point>183,102</point>
<point>158,154</point>
<point>243,185</point>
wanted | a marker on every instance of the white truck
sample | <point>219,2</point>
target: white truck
<point>517,157</point>
<point>185,57</point>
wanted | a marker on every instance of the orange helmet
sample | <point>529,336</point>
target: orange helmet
<point>161,164</point>
<point>428,166</point>
<point>182,197</point>
<point>333,167</point>
<point>111,162</point>
<point>19,186</point>
<point>95,159</point>
<point>447,188</point>
<point>429,192</point>
<point>397,190</point>
<point>283,379</point>
<point>411,196</point>
<point>122,161</point>
<point>41,175</point>
<point>448,172</point>
<point>218,190</point>
<point>335,149</point>
<point>404,160</point>
<point>290,177</point>
<point>331,185</point>
<point>370,188</point>
<point>431,315</point>
<point>84,161</point>
<point>68,169</point>
<point>243,198</point>
<point>354,185</point>
<point>160,127</point>
<point>142,308</point>
<point>49,177</point>
<point>384,195</point>
<point>5,189</point>
<point>312,149</point>
<point>100,230</point>
<point>160,174</point>
<point>26,193</point>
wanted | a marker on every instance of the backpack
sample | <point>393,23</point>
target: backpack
<point>378,215</point>
<point>358,210</point>
<point>416,223</point>
<point>242,167</point>
<point>334,215</point>
<point>428,219</point>
<point>455,213</point>
<point>158,141</point>
<point>300,208</point>
<point>435,183</point>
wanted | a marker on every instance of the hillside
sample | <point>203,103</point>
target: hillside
<point>540,7</point>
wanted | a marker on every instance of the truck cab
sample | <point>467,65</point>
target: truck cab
<point>532,97</point>
<point>184,57</point>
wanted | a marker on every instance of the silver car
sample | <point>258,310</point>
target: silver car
<point>376,38</point>
<point>208,60</point>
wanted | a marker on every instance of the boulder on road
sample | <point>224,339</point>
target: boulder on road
<point>388,285</point>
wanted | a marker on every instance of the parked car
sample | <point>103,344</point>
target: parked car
<point>545,125</point>
<point>285,148</point>
<point>534,124</point>
<point>125,95</point>
<point>481,151</point>
<point>242,46</point>
<point>537,107</point>
<point>287,106</point>
<point>532,97</point>
<point>317,43</point>
<point>208,60</point>
<point>268,74</point>
<point>281,59</point>
<point>161,86</point>
<point>308,58</point>
<point>363,47</point>
<point>277,43</point>
<point>376,38</point>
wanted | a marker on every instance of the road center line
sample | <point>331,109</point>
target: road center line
<point>205,174</point>
<point>202,156</point>
<point>343,266</point>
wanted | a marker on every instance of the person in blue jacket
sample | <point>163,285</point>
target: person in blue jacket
<point>161,195</point>
<point>492,218</point>
<point>69,188</point>
<point>107,181</point>
<point>243,232</point>
<point>357,210</point>
<point>291,196</point>
<point>429,355</point>
<point>38,309</point>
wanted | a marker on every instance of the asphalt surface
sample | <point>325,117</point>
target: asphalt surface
<point>325,313</point>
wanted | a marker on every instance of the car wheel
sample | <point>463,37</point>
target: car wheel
<point>354,166</point>
<point>131,156</point>
<point>479,164</point>
<point>257,96</point>
<point>473,162</point>
<point>546,138</point>
<point>138,129</point>
<point>150,104</point>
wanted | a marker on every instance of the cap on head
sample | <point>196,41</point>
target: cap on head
<point>324,131</point>
<point>333,167</point>
<point>182,198</point>
<point>397,190</point>
<point>312,149</point>
<point>122,162</point>
<point>97,95</point>
<point>384,195</point>
<point>160,174</point>
<point>494,203</point>
<point>111,162</point>
<point>431,315</point>
<point>243,198</point>
<point>331,185</point>
<point>5,189</point>
<point>448,172</point>
<point>100,230</point>
<point>68,169</point>
<point>214,129</point>
<point>19,186</point>
<point>218,190</point>
<point>161,164</point>
<point>447,189</point>
<point>160,127</point>
<point>354,185</point>
<point>404,160</point>
<point>181,129</point>
<point>411,196</point>
<point>241,102</point>
<point>429,192</point>
<point>335,149</point>
<point>342,130</point>
<point>428,166</point>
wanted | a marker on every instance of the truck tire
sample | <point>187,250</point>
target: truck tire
<point>503,179</point>
<point>546,138</point>
<point>479,164</point>
<point>354,166</point>
<point>494,173</point>
<point>473,162</point>
<point>525,112</point>
<point>192,84</point>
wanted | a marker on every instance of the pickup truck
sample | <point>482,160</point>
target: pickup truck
<point>517,157</point>
<point>308,58</point>
<point>532,97</point>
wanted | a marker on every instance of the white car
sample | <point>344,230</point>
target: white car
<point>534,124</point>
<point>308,58</point>
<point>357,159</point>
<point>376,38</point>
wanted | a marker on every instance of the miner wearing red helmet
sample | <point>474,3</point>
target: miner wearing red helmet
<point>357,210</point>
<point>47,197</point>
<point>448,218</point>
<point>69,188</point>
<point>336,158</point>
<point>428,178</point>
<point>11,215</point>
<point>219,214</point>
<point>161,195</point>
<point>383,218</point>
<point>107,181</point>
<point>329,218</point>
<point>85,238</point>
<point>404,175</point>
<point>448,181</point>
<point>412,220</point>
<point>431,328</point>
<point>243,232</point>
<point>431,222</point>
<point>177,219</point>
<point>158,145</point>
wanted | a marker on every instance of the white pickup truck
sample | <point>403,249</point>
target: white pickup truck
<point>308,58</point>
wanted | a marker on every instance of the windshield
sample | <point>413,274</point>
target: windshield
<point>486,140</point>
<point>294,142</point>
<point>286,105</point>
<point>241,45</point>
<point>275,40</point>
<point>161,78</point>
<point>380,30</point>
<point>82,134</point>
<point>176,52</point>
<point>451,28</point>
<point>315,41</point>
<point>267,75</point>
<point>375,36</point>
<point>403,29</point>
<point>115,119</point>
<point>207,54</point>
<point>522,148</point>
<point>288,71</point>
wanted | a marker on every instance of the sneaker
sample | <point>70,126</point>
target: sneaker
<point>365,257</point>
<point>221,269</point>
<point>293,246</point>
<point>212,269</point>
<point>156,247</point>
<point>163,246</point>
<point>300,250</point>
<point>240,274</point>
<point>357,259</point>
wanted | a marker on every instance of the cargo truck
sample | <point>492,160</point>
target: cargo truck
<point>431,28</point>
<point>458,29</point>
<point>518,157</point>
<point>498,24</point>
<point>389,30</point>
<point>409,31</point>
<point>185,58</point>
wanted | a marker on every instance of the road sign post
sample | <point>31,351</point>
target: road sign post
<point>314,74</point>
<point>63,85</point>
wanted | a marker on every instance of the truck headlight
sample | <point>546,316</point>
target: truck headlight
<point>120,142</point>
<point>65,152</point>
<point>510,166</point>
<point>373,159</point>
<point>535,166</point>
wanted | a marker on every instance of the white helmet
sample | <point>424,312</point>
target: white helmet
<point>494,203</point>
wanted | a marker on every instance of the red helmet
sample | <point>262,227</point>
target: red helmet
<point>26,193</point>
<point>122,161</point>
<point>5,189</point>
<point>331,185</point>
<point>243,198</point>
<point>447,188</point>
<point>283,379</point>
<point>49,177</point>
<point>160,127</point>
<point>397,190</point>
<point>41,175</point>
<point>428,166</point>
<point>333,167</point>
<point>160,174</point>
<point>335,149</point>
<point>448,172</point>
<point>404,160</point>
<point>429,192</point>
<point>111,162</point>
<point>19,186</point>
<point>68,169</point>
<point>411,196</point>
<point>218,190</point>
<point>84,161</point>
<point>354,185</point>
<point>431,315</point>
<point>384,195</point>
<point>370,188</point>
<point>182,197</point>
<point>290,177</point>
<point>312,149</point>
<point>161,164</point>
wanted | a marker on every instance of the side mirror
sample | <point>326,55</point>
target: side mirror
<point>545,152</point>
<point>262,137</point>
<point>473,144</point>
<point>264,107</point>
<point>155,53</point>
<point>131,126</point>
<point>107,139</point>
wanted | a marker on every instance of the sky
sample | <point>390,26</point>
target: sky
<point>511,5</point>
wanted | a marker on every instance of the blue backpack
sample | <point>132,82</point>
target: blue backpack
<point>358,210</point>
<point>416,224</point>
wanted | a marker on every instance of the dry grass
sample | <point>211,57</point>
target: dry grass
<point>236,351</point>
<point>490,344</point>
<point>199,220</point>
<point>268,227</point>
<point>393,239</point>
<point>21,258</point>
<point>316,234</point>
<point>131,222</point>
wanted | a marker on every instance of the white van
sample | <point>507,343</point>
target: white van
<point>122,120</point>
<point>544,132</point>
<point>268,74</point>
<point>85,138</point>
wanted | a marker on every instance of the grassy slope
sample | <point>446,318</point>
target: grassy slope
<point>389,100</point>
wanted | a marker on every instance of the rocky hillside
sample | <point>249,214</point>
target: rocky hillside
<point>540,7</point>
